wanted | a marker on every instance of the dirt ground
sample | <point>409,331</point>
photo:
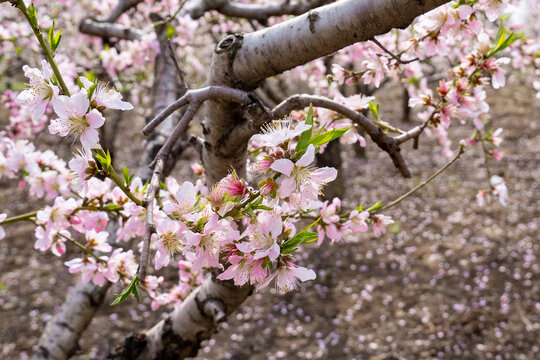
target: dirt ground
<point>452,280</point>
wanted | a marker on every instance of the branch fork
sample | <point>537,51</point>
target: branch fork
<point>193,99</point>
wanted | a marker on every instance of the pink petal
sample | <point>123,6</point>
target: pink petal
<point>79,102</point>
<point>286,188</point>
<point>89,139</point>
<point>61,107</point>
<point>39,110</point>
<point>304,274</point>
<point>95,119</point>
<point>308,157</point>
<point>284,166</point>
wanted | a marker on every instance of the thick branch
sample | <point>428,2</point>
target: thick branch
<point>181,333</point>
<point>122,7</point>
<point>320,32</point>
<point>60,337</point>
<point>107,30</point>
<point>261,12</point>
<point>153,190</point>
<point>384,141</point>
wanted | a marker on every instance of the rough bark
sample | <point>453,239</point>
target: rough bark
<point>180,334</point>
<point>320,32</point>
<point>61,335</point>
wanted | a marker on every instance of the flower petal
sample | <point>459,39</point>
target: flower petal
<point>284,166</point>
<point>308,157</point>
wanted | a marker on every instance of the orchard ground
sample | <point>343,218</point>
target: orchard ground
<point>450,280</point>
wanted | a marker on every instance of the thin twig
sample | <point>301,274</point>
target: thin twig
<point>153,189</point>
<point>172,17</point>
<point>395,57</point>
<point>425,182</point>
<point>178,68</point>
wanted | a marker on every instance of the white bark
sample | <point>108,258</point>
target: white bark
<point>320,32</point>
<point>180,334</point>
<point>61,335</point>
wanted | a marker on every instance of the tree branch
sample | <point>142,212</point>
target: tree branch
<point>385,142</point>
<point>181,333</point>
<point>122,7</point>
<point>90,26</point>
<point>320,32</point>
<point>259,12</point>
<point>153,190</point>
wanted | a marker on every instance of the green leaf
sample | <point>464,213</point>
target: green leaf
<point>303,141</point>
<point>328,136</point>
<point>374,108</point>
<point>113,207</point>
<point>51,35</point>
<point>125,175</point>
<point>57,39</point>
<point>170,31</point>
<point>91,90</point>
<point>375,207</point>
<point>109,160</point>
<point>299,239</point>
<point>132,288</point>
<point>32,14</point>
<point>502,41</point>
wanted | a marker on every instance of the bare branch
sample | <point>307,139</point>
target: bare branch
<point>90,26</point>
<point>259,12</point>
<point>198,97</point>
<point>320,32</point>
<point>153,189</point>
<point>384,141</point>
<point>395,57</point>
<point>122,7</point>
<point>425,182</point>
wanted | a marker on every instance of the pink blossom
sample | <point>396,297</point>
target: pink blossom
<point>244,269</point>
<point>82,164</point>
<point>75,120</point>
<point>98,240</point>
<point>380,222</point>
<point>122,262</point>
<point>279,131</point>
<point>288,276</point>
<point>90,269</point>
<point>262,236</point>
<point>41,90</point>
<point>104,97</point>
<point>233,185</point>
<point>169,241</point>
<point>183,202</point>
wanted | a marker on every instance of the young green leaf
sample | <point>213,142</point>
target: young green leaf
<point>374,109</point>
<point>328,136</point>
<point>132,288</point>
<point>375,207</point>
<point>303,141</point>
